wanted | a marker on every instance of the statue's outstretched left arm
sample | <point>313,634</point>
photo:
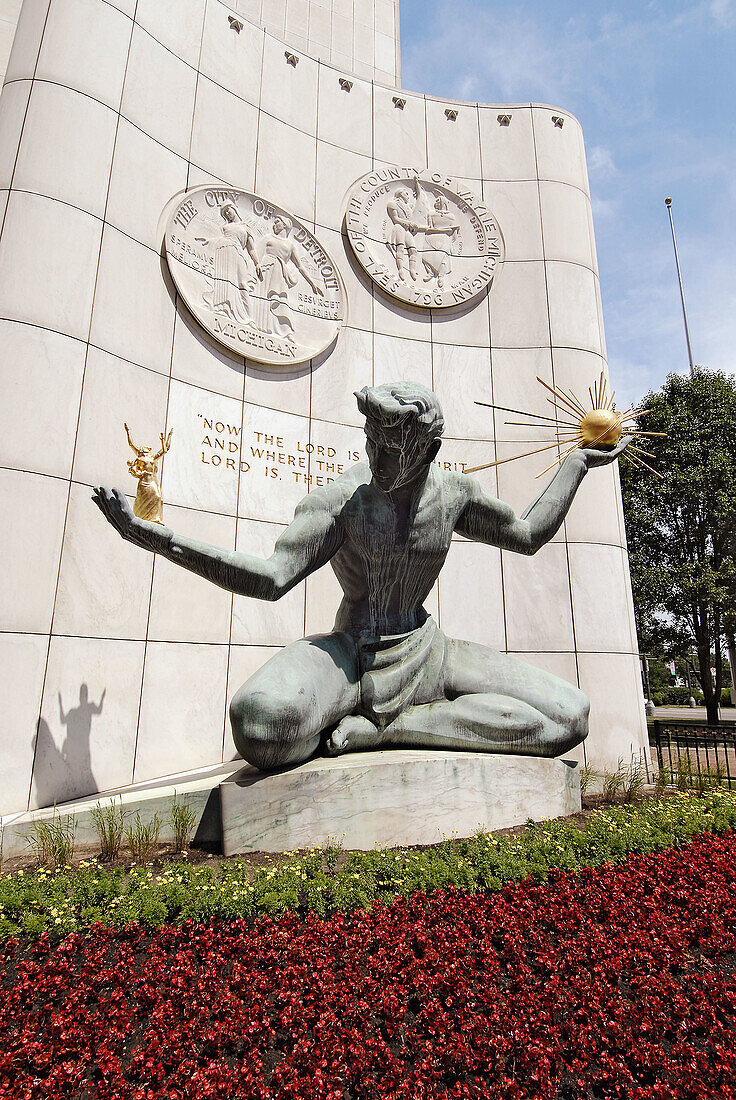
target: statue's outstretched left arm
<point>485,519</point>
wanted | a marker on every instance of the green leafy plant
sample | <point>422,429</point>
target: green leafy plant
<point>183,820</point>
<point>588,776</point>
<point>633,781</point>
<point>109,822</point>
<point>613,783</point>
<point>53,841</point>
<point>143,839</point>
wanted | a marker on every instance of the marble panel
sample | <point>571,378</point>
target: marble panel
<point>233,60</point>
<point>462,376</point>
<point>286,390</point>
<point>537,594</point>
<point>185,607</point>
<point>144,177</point>
<point>225,134</point>
<point>13,106</point>
<point>320,26</point>
<point>127,7</point>
<point>384,15</point>
<point>594,516</point>
<point>516,205</point>
<point>363,12</point>
<point>134,312</point>
<point>39,396</point>
<point>466,324</point>
<point>342,34</point>
<point>176,24</point>
<point>618,729</point>
<point>30,543</point>
<point>453,145</point>
<point>400,796</point>
<point>66,151</point>
<point>339,373</point>
<point>182,708</point>
<point>324,596</point>
<point>518,304</point>
<point>22,664</point>
<point>279,441</point>
<point>560,151</point>
<point>577,370</point>
<point>86,733</point>
<point>201,469</point>
<point>337,171</point>
<point>85,46</point>
<point>159,93</point>
<point>297,18</point>
<point>116,393</point>
<point>285,172</point>
<point>10,10</point>
<point>7,31</point>
<point>399,360</point>
<point>603,622</point>
<point>69,241</point>
<point>384,53</point>
<point>104,582</point>
<point>515,386</point>
<point>245,660</point>
<point>259,622</point>
<point>399,136</point>
<point>566,222</point>
<point>507,152</point>
<point>522,480</point>
<point>471,595</point>
<point>358,293</point>
<point>289,92</point>
<point>391,318</point>
<point>27,40</point>
<point>573,306</point>
<point>363,45</point>
<point>199,360</point>
<point>457,454</point>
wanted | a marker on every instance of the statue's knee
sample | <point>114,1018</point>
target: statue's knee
<point>573,720</point>
<point>265,726</point>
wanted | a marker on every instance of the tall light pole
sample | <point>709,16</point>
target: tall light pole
<point>668,204</point>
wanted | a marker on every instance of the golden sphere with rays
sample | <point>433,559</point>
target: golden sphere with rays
<point>600,427</point>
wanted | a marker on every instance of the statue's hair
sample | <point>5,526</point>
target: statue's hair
<point>402,405</point>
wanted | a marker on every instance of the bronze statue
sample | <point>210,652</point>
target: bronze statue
<point>387,675</point>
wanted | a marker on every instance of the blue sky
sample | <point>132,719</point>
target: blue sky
<point>654,86</point>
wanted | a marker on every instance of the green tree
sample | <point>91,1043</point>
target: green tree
<point>682,526</point>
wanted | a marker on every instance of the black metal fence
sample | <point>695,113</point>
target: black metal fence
<point>704,754</point>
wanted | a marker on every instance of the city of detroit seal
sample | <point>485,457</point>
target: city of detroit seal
<point>423,237</point>
<point>254,277</point>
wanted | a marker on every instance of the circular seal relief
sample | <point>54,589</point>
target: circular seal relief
<point>254,277</point>
<point>423,237</point>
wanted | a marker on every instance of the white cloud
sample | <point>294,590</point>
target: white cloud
<point>723,11</point>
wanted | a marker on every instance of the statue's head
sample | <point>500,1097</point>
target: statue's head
<point>229,212</point>
<point>403,428</point>
<point>282,224</point>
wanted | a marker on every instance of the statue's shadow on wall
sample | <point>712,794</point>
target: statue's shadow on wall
<point>62,772</point>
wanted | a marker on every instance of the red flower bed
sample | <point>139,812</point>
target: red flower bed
<point>611,983</point>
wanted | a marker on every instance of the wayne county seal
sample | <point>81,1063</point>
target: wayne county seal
<point>423,237</point>
<point>254,277</point>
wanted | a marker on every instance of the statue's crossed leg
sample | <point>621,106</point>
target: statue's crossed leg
<point>488,702</point>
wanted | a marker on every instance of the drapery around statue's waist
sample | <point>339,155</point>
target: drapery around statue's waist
<point>399,671</point>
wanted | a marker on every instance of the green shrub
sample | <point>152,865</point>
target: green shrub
<point>32,903</point>
<point>183,819</point>
<point>109,822</point>
<point>53,841</point>
<point>143,839</point>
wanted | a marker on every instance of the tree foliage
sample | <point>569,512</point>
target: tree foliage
<point>682,526</point>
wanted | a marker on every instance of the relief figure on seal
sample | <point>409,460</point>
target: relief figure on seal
<point>387,675</point>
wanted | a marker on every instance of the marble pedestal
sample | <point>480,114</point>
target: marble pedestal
<point>397,797</point>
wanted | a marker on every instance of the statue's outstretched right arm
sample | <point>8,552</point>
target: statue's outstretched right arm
<point>309,541</point>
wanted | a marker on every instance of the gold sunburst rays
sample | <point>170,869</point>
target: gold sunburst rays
<point>601,425</point>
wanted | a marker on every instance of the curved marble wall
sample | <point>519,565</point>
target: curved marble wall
<point>116,667</point>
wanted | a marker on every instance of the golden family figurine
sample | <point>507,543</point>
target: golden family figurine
<point>148,503</point>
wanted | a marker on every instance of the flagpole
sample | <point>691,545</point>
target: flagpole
<point>668,204</point>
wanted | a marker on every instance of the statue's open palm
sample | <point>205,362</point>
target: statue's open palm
<point>598,456</point>
<point>117,511</point>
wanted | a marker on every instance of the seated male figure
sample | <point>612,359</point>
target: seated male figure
<point>387,675</point>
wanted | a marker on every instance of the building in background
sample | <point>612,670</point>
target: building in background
<point>115,663</point>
